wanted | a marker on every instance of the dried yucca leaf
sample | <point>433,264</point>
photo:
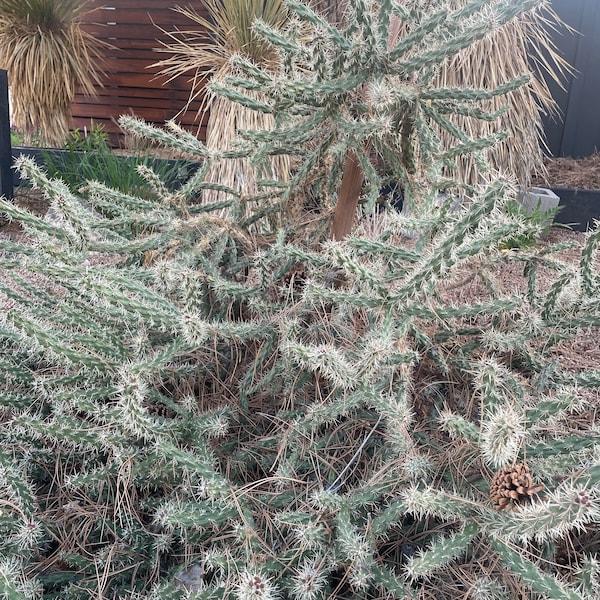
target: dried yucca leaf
<point>48,57</point>
<point>208,53</point>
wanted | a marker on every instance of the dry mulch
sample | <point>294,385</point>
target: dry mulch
<point>572,173</point>
<point>580,353</point>
<point>25,198</point>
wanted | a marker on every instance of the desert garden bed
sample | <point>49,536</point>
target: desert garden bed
<point>222,395</point>
<point>334,445</point>
<point>577,183</point>
<point>581,353</point>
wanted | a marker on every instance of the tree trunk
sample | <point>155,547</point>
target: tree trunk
<point>352,181</point>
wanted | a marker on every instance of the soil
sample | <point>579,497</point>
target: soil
<point>28,199</point>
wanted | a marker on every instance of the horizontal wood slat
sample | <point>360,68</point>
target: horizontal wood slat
<point>152,97</point>
<point>155,115</point>
<point>116,134</point>
<point>112,5</point>
<point>131,85</point>
<point>150,54</point>
<point>144,29</point>
<point>106,95</point>
<point>162,14</point>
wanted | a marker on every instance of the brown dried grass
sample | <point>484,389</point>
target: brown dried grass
<point>509,52</point>
<point>225,122</point>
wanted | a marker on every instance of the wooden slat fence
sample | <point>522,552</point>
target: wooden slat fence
<point>130,87</point>
<point>133,28</point>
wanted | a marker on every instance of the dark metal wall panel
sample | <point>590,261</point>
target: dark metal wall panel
<point>571,12</point>
<point>576,132</point>
<point>6,179</point>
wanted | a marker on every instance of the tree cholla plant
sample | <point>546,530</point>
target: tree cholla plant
<point>365,101</point>
<point>192,411</point>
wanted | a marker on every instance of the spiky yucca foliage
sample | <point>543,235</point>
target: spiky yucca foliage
<point>47,57</point>
<point>190,410</point>
<point>207,53</point>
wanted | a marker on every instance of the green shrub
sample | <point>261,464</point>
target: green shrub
<point>193,410</point>
<point>544,218</point>
<point>88,156</point>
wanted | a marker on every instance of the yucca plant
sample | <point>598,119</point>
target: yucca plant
<point>207,54</point>
<point>48,57</point>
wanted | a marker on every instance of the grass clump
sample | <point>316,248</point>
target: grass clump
<point>88,156</point>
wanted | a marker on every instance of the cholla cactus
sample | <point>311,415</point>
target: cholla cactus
<point>364,100</point>
<point>191,410</point>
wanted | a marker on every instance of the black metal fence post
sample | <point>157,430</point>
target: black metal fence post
<point>6,175</point>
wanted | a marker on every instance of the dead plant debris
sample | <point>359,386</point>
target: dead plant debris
<point>572,173</point>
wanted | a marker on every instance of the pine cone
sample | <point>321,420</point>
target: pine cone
<point>512,486</point>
